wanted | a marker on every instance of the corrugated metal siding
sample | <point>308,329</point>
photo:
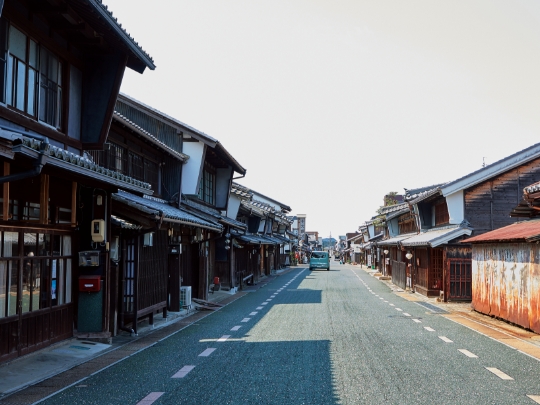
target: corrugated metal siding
<point>506,282</point>
<point>163,132</point>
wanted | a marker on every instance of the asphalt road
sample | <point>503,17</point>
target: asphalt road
<point>320,337</point>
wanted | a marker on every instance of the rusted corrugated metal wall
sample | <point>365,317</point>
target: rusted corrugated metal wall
<point>506,282</point>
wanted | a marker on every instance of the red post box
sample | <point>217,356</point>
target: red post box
<point>89,283</point>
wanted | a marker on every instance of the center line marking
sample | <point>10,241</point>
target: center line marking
<point>499,373</point>
<point>445,339</point>
<point>468,353</point>
<point>535,398</point>
<point>269,299</point>
<point>150,398</point>
<point>236,328</point>
<point>253,313</point>
<point>245,320</point>
<point>392,305</point>
<point>429,329</point>
<point>224,337</point>
<point>259,308</point>
<point>406,314</point>
<point>417,320</point>
<point>183,372</point>
<point>207,352</point>
<point>264,303</point>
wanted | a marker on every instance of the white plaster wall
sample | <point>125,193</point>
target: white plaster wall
<point>234,206</point>
<point>192,169</point>
<point>456,207</point>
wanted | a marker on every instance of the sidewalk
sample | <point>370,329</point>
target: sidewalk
<point>30,378</point>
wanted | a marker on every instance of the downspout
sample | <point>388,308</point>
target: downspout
<point>38,164</point>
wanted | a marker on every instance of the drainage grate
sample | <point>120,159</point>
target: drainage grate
<point>432,308</point>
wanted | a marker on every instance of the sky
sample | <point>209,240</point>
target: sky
<point>330,105</point>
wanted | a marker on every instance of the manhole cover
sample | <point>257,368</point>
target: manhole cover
<point>432,308</point>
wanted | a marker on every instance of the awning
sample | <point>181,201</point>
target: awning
<point>255,239</point>
<point>161,209</point>
<point>395,240</point>
<point>211,214</point>
<point>437,236</point>
<point>527,231</point>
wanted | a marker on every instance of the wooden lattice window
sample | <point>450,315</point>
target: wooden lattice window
<point>436,270</point>
<point>407,224</point>
<point>441,214</point>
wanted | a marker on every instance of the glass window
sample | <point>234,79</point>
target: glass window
<point>3,287</point>
<point>11,244</point>
<point>13,283</point>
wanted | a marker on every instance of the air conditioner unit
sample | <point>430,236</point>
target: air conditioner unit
<point>185,297</point>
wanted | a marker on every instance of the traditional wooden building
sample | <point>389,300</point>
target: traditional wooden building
<point>63,65</point>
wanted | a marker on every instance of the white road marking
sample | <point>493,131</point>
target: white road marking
<point>499,373</point>
<point>269,299</point>
<point>429,329</point>
<point>417,320</point>
<point>224,337</point>
<point>392,305</point>
<point>150,398</point>
<point>183,372</point>
<point>246,319</point>
<point>445,339</point>
<point>535,398</point>
<point>406,314</point>
<point>385,301</point>
<point>381,298</point>
<point>468,353</point>
<point>398,309</point>
<point>264,303</point>
<point>236,328</point>
<point>253,313</point>
<point>207,352</point>
<point>259,308</point>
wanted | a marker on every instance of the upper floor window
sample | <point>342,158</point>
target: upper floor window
<point>207,185</point>
<point>33,78</point>
<point>441,213</point>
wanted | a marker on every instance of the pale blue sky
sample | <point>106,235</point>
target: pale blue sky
<point>331,104</point>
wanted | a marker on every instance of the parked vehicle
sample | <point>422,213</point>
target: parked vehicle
<point>319,260</point>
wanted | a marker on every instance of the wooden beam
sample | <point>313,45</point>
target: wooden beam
<point>74,203</point>
<point>5,195</point>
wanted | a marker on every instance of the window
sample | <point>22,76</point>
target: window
<point>41,266</point>
<point>33,79</point>
<point>441,213</point>
<point>207,185</point>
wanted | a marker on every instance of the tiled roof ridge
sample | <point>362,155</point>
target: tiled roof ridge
<point>84,162</point>
<point>139,128</point>
<point>119,25</point>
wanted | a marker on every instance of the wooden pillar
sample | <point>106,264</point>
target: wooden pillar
<point>5,196</point>
<point>44,199</point>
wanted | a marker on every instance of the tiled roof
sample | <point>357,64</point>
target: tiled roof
<point>134,45</point>
<point>527,231</point>
<point>392,208</point>
<point>415,199</point>
<point>158,207</point>
<point>438,236</point>
<point>241,191</point>
<point>211,213</point>
<point>395,239</point>
<point>120,118</point>
<point>416,192</point>
<point>123,223</point>
<point>92,169</point>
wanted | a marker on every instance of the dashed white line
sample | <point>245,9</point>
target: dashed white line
<point>259,308</point>
<point>236,328</point>
<point>253,313</point>
<point>246,320</point>
<point>207,352</point>
<point>269,299</point>
<point>445,339</point>
<point>225,337</point>
<point>398,309</point>
<point>429,329</point>
<point>499,373</point>
<point>406,314</point>
<point>183,372</point>
<point>392,305</point>
<point>150,398</point>
<point>468,353</point>
<point>417,320</point>
<point>264,303</point>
